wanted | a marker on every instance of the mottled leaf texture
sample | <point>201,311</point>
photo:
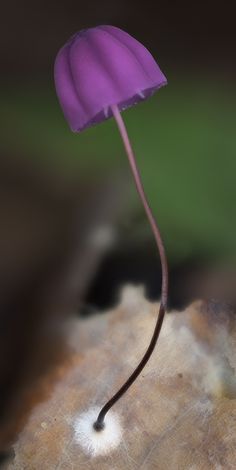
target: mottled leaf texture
<point>180,414</point>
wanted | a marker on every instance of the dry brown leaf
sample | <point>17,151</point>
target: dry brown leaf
<point>180,414</point>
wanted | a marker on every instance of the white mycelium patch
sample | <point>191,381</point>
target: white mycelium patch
<point>94,442</point>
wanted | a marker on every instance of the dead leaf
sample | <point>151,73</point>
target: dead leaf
<point>180,414</point>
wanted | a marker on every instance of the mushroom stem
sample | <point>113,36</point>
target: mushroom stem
<point>140,189</point>
<point>99,424</point>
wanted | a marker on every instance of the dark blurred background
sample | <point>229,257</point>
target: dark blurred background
<point>72,227</point>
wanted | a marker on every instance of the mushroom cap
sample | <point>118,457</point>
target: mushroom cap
<point>99,67</point>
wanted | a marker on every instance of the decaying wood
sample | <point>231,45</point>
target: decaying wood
<point>180,414</point>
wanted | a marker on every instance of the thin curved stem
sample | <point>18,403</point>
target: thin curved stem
<point>99,424</point>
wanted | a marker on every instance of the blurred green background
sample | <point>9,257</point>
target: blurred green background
<point>185,143</point>
<point>184,137</point>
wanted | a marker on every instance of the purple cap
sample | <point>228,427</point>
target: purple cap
<point>99,67</point>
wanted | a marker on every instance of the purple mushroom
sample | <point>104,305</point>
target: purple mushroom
<point>100,72</point>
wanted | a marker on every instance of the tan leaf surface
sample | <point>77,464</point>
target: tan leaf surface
<point>180,414</point>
